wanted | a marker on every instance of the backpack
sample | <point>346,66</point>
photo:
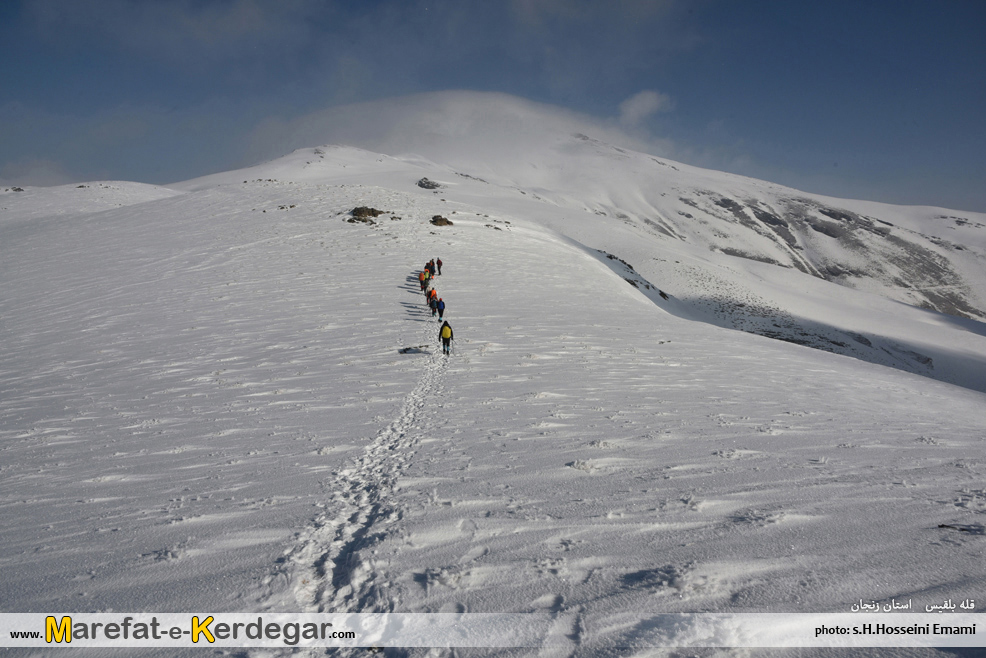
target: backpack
<point>446,331</point>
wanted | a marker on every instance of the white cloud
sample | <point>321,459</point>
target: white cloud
<point>444,125</point>
<point>642,105</point>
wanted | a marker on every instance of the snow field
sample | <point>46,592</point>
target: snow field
<point>631,460</point>
<point>204,406</point>
<point>169,375</point>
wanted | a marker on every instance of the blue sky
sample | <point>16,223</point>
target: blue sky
<point>876,100</point>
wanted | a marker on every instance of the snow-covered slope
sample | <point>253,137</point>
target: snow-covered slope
<point>19,204</point>
<point>207,402</point>
<point>737,252</point>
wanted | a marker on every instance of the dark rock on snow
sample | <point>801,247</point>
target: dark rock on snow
<point>364,214</point>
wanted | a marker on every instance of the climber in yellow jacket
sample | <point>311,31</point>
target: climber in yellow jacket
<point>445,333</point>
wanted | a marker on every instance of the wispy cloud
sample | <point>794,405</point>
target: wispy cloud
<point>642,105</point>
<point>160,90</point>
<point>444,124</point>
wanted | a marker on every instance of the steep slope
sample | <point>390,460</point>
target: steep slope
<point>928,257</point>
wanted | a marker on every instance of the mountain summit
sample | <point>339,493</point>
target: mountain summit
<point>734,251</point>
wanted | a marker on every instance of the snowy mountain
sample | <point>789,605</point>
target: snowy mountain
<point>736,252</point>
<point>225,394</point>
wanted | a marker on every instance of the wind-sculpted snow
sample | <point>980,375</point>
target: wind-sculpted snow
<point>231,399</point>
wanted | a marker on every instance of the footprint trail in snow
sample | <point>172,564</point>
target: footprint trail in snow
<point>329,570</point>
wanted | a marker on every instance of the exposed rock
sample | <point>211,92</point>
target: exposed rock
<point>466,176</point>
<point>364,214</point>
<point>428,184</point>
<point>612,257</point>
<point>438,220</point>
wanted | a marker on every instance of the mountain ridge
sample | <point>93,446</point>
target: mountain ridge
<point>701,236</point>
<point>726,249</point>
